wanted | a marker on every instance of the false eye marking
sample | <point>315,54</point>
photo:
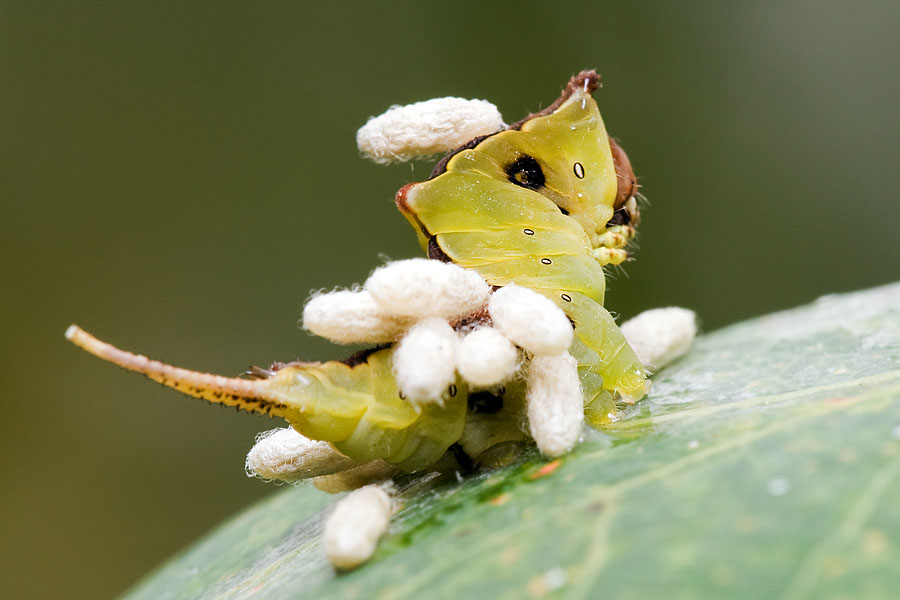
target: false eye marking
<point>566,297</point>
<point>526,172</point>
<point>579,170</point>
<point>528,231</point>
<point>546,261</point>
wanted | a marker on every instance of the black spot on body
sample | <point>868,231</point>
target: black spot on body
<point>452,390</point>
<point>435,252</point>
<point>620,217</point>
<point>362,357</point>
<point>485,402</point>
<point>526,172</point>
<point>465,461</point>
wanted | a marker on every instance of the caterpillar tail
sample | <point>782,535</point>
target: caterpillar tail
<point>355,406</point>
<point>246,394</point>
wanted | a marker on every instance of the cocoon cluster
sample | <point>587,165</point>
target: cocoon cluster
<point>424,360</point>
<point>285,455</point>
<point>413,303</point>
<point>530,320</point>
<point>354,527</point>
<point>350,316</point>
<point>486,357</point>
<point>661,335</point>
<point>554,403</point>
<point>422,287</point>
<point>426,128</point>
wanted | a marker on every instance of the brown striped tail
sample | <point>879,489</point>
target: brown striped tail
<point>249,395</point>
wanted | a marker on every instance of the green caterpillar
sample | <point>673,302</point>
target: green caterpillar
<point>544,204</point>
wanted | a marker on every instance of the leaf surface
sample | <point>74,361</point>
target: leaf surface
<point>765,464</point>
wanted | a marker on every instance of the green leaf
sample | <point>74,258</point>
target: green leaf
<point>764,464</point>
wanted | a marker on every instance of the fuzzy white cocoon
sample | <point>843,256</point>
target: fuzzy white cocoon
<point>285,455</point>
<point>422,287</point>
<point>486,357</point>
<point>426,128</point>
<point>661,335</point>
<point>424,360</point>
<point>349,316</point>
<point>530,320</point>
<point>555,403</point>
<point>352,530</point>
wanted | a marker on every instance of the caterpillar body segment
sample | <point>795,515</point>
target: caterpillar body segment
<point>356,407</point>
<point>544,204</point>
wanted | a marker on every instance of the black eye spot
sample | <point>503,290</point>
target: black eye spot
<point>579,170</point>
<point>452,390</point>
<point>528,231</point>
<point>546,261</point>
<point>566,297</point>
<point>526,172</point>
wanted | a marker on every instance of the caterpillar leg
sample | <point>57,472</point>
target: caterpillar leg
<point>610,256</point>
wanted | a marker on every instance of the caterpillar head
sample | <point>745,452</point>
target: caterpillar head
<point>561,154</point>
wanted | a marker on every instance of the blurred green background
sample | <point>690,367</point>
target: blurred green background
<point>178,176</point>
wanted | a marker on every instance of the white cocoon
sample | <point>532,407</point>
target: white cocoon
<point>530,320</point>
<point>285,455</point>
<point>348,316</point>
<point>426,128</point>
<point>661,335</point>
<point>422,287</point>
<point>352,530</point>
<point>424,360</point>
<point>555,403</point>
<point>486,357</point>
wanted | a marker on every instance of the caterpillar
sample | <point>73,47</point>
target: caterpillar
<point>544,204</point>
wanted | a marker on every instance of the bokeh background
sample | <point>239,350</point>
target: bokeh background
<point>177,177</point>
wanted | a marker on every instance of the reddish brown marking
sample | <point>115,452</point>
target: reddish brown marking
<point>400,198</point>
<point>626,181</point>
<point>500,500</point>
<point>577,83</point>
<point>546,469</point>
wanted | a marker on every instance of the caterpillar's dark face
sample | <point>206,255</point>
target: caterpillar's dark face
<point>562,155</point>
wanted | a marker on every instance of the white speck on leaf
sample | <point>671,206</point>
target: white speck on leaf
<point>555,578</point>
<point>778,487</point>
